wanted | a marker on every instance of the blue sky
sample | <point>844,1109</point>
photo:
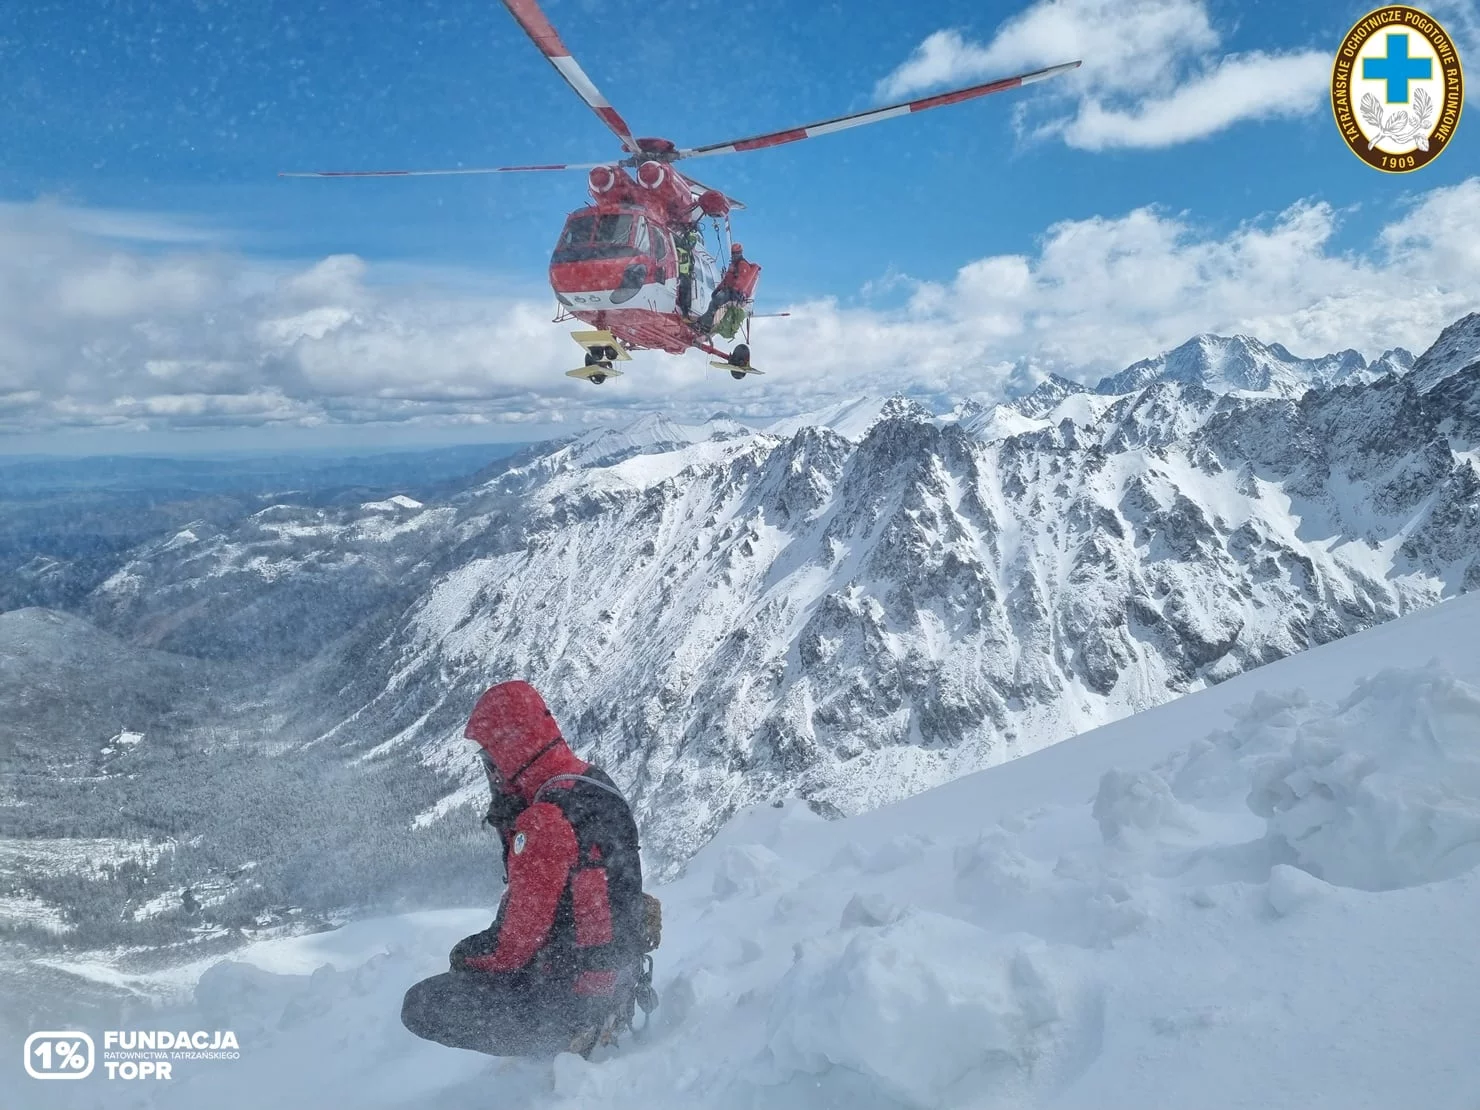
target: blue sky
<point>150,135</point>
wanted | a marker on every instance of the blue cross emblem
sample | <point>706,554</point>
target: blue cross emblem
<point>1397,69</point>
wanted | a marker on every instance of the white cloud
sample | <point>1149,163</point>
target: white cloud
<point>1126,45</point>
<point>121,320</point>
<point>1247,87</point>
<point>172,334</point>
<point>1152,74</point>
<point>1098,294</point>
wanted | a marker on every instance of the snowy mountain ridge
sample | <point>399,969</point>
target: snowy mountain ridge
<point>1220,364</point>
<point>1225,364</point>
<point>857,609</point>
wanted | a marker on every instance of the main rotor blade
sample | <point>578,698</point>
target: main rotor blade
<point>442,173</point>
<point>874,115</point>
<point>538,28</point>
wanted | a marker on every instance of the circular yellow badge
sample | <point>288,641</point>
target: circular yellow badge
<point>1397,89</point>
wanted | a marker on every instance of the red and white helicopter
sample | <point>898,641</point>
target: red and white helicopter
<point>633,265</point>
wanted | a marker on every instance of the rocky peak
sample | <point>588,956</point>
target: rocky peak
<point>900,407</point>
<point>1397,361</point>
<point>1239,363</point>
<point>1457,347</point>
<point>1220,363</point>
<point>1048,395</point>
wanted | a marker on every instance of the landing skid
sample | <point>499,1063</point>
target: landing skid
<point>736,372</point>
<point>596,373</point>
<point>737,362</point>
<point>602,349</point>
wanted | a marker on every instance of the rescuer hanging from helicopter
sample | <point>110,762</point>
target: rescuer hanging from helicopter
<point>735,288</point>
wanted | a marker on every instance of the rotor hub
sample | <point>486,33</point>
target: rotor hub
<point>654,150</point>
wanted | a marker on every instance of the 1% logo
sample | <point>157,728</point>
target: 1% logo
<point>59,1055</point>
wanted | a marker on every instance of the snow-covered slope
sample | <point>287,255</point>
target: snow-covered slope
<point>1262,894</point>
<point>850,419</point>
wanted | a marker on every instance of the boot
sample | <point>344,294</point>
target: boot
<point>593,1036</point>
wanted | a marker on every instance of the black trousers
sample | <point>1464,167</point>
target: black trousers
<point>509,1014</point>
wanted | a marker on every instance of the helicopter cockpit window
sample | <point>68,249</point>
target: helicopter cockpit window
<point>588,238</point>
<point>614,229</point>
<point>578,231</point>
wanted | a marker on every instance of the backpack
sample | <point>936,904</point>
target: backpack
<point>608,870</point>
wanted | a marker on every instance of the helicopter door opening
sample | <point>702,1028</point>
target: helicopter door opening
<point>659,271</point>
<point>706,276</point>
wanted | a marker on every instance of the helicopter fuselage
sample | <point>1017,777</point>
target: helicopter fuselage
<point>616,263</point>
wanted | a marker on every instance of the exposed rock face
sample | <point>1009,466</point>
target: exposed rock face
<point>1457,347</point>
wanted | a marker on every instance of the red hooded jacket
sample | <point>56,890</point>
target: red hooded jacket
<point>514,726</point>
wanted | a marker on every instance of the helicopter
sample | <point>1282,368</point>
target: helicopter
<point>634,264</point>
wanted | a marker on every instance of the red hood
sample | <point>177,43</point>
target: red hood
<point>515,727</point>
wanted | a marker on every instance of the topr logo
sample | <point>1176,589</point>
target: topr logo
<point>519,842</point>
<point>1397,89</point>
